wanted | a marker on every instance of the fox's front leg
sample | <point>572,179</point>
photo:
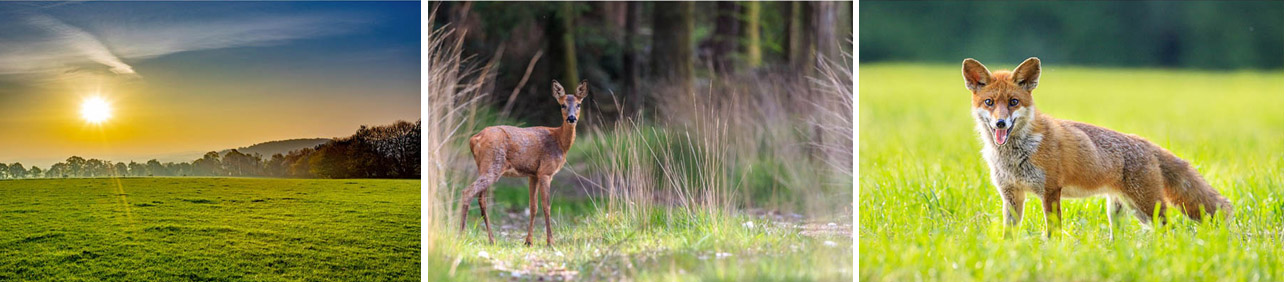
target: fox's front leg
<point>1012,208</point>
<point>1053,211</point>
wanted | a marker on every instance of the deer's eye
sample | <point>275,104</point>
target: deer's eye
<point>988,102</point>
<point>1013,102</point>
<point>564,106</point>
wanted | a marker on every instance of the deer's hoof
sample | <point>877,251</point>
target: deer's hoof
<point>528,244</point>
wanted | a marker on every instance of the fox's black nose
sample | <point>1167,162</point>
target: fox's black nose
<point>571,119</point>
<point>1000,124</point>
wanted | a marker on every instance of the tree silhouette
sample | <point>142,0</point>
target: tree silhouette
<point>35,172</point>
<point>75,166</point>
<point>16,170</point>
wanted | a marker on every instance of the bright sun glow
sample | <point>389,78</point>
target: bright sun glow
<point>95,110</point>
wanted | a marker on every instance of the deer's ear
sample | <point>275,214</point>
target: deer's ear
<point>976,75</point>
<point>1027,74</point>
<point>583,89</point>
<point>558,91</point>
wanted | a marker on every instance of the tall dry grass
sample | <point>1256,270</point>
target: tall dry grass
<point>768,139</point>
<point>455,85</point>
<point>710,152</point>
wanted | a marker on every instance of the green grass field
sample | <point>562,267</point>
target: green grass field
<point>927,210</point>
<point>209,229</point>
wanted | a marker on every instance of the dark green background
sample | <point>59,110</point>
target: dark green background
<point>1204,35</point>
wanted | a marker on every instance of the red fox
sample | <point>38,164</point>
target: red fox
<point>1052,158</point>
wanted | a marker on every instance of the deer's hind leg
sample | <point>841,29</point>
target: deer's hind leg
<point>480,185</point>
<point>482,206</point>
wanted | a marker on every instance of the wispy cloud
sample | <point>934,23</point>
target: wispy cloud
<point>82,42</point>
<point>53,46</point>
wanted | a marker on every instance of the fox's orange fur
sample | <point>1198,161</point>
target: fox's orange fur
<point>1030,152</point>
<point>533,152</point>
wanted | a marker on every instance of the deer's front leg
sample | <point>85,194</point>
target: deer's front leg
<point>544,197</point>
<point>532,185</point>
<point>1012,207</point>
<point>1053,210</point>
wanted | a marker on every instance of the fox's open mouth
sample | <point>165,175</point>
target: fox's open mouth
<point>1002,135</point>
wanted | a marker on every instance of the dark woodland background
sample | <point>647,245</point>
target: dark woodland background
<point>630,48</point>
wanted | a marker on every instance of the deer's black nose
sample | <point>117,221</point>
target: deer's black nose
<point>571,119</point>
<point>1000,124</point>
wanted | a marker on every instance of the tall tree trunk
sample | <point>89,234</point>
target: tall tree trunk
<point>672,37</point>
<point>823,24</point>
<point>726,34</point>
<point>633,14</point>
<point>796,37</point>
<point>844,25</point>
<point>568,16</point>
<point>750,31</point>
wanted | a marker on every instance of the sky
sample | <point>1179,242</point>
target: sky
<point>184,78</point>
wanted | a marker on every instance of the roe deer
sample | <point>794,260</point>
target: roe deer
<point>533,152</point>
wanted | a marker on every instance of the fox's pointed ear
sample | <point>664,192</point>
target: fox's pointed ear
<point>976,75</point>
<point>583,89</point>
<point>558,91</point>
<point>1027,74</point>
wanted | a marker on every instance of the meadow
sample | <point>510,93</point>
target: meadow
<point>209,229</point>
<point>928,211</point>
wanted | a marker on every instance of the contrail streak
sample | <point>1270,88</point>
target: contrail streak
<point>84,42</point>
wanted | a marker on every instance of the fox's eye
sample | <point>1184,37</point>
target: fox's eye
<point>988,102</point>
<point>1013,102</point>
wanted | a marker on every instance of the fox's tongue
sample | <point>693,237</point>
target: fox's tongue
<point>1002,135</point>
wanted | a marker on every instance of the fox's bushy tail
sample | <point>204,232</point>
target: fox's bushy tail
<point>1187,190</point>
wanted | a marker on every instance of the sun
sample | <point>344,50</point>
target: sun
<point>95,110</point>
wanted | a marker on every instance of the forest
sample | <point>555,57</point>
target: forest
<point>628,51</point>
<point>385,151</point>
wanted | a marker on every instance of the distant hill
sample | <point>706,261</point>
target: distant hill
<point>267,149</point>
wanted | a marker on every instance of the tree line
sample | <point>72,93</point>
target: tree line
<point>1172,34</point>
<point>387,151</point>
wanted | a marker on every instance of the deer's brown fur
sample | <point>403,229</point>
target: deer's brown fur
<point>533,152</point>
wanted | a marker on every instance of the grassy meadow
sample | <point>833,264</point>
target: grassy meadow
<point>209,229</point>
<point>928,211</point>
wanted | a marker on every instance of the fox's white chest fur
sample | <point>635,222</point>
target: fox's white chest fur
<point>1010,165</point>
